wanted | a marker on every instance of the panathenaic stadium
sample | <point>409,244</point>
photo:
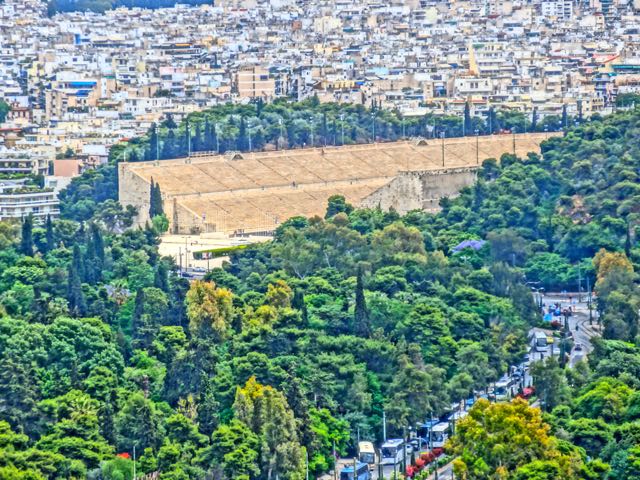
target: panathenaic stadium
<point>255,192</point>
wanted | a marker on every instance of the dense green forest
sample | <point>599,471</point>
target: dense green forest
<point>299,344</point>
<point>100,6</point>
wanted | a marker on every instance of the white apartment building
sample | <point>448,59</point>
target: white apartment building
<point>26,162</point>
<point>18,200</point>
<point>557,9</point>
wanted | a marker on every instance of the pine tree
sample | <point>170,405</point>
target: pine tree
<point>170,122</point>
<point>49,235</point>
<point>361,316</point>
<point>26,241</point>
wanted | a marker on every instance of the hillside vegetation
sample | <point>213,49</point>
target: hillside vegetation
<point>300,343</point>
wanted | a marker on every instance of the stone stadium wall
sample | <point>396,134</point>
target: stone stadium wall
<point>420,190</point>
<point>255,192</point>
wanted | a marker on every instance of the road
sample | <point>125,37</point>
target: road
<point>582,332</point>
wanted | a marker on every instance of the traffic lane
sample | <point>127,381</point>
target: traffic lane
<point>388,470</point>
<point>445,472</point>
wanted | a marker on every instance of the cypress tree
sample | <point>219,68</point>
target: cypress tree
<point>98,242</point>
<point>49,235</point>
<point>207,136</point>
<point>75,296</point>
<point>325,129</point>
<point>169,145</point>
<point>152,190</point>
<point>153,142</point>
<point>161,277</point>
<point>466,128</point>
<point>494,124</point>
<point>565,117</point>
<point>138,311</point>
<point>155,200</point>
<point>89,261</point>
<point>580,110</point>
<point>361,316</point>
<point>26,240</point>
<point>242,143</point>
<point>534,119</point>
<point>186,139</point>
<point>196,143</point>
<point>299,304</point>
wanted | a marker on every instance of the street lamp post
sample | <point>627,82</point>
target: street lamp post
<point>404,449</point>
<point>477,147</point>
<point>373,127</point>
<point>312,131</point>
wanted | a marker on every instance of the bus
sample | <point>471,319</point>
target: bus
<point>362,472</point>
<point>423,432</point>
<point>440,434</point>
<point>540,342</point>
<point>367,454</point>
<point>392,451</point>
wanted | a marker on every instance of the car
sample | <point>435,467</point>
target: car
<point>418,443</point>
<point>578,347</point>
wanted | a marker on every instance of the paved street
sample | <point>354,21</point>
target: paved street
<point>582,331</point>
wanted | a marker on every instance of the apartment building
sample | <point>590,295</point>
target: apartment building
<point>255,82</point>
